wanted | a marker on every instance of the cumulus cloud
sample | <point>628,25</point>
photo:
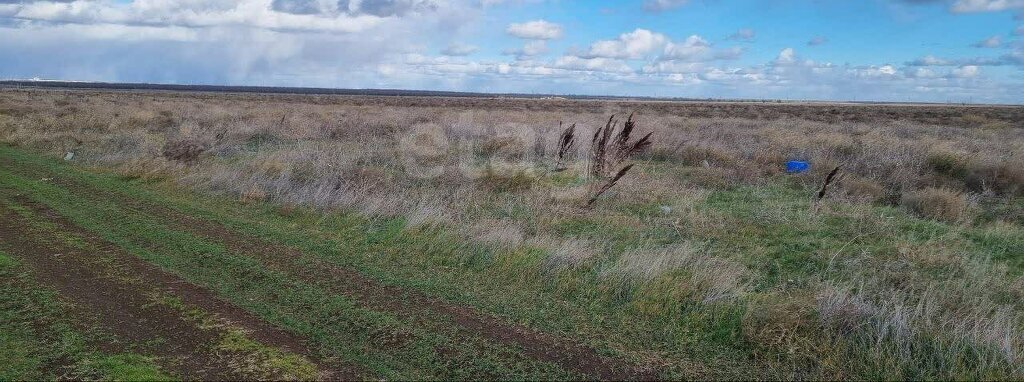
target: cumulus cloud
<point>530,49</point>
<point>643,44</point>
<point>968,71</point>
<point>600,64</point>
<point>744,34</point>
<point>873,71</point>
<point>786,57</point>
<point>535,30</point>
<point>459,49</point>
<point>632,45</point>
<point>991,42</point>
<point>692,48</point>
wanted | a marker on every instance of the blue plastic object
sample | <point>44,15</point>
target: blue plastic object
<point>797,166</point>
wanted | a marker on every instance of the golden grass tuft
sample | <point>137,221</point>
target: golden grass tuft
<point>939,204</point>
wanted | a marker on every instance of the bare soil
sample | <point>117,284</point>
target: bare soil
<point>127,311</point>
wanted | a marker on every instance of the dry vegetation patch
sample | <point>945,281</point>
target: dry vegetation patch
<point>704,242</point>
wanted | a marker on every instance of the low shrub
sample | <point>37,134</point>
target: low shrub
<point>184,150</point>
<point>1003,177</point>
<point>948,163</point>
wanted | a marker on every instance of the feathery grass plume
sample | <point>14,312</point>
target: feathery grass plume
<point>599,148</point>
<point>609,149</point>
<point>566,142</point>
<point>607,153</point>
<point>624,149</point>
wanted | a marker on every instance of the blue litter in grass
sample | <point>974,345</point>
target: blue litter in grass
<point>797,166</point>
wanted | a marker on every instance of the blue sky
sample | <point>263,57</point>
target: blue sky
<point>886,50</point>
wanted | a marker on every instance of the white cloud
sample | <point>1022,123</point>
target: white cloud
<point>786,57</point>
<point>975,61</point>
<point>218,41</point>
<point>732,53</point>
<point>969,6</point>
<point>744,34</point>
<point>535,30</point>
<point>600,64</point>
<point>459,49</point>
<point>969,71</point>
<point>693,48</point>
<point>991,42</point>
<point>883,71</point>
<point>1019,31</point>
<point>929,60</point>
<point>633,45</point>
<point>663,5</point>
<point>217,13</point>
<point>920,72</point>
<point>531,48</point>
<point>817,40</point>
<point>673,67</point>
<point>642,44</point>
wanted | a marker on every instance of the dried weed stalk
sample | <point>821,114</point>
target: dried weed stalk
<point>609,150</point>
<point>824,186</point>
<point>566,142</point>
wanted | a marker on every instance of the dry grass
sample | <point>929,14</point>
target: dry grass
<point>706,221</point>
<point>938,203</point>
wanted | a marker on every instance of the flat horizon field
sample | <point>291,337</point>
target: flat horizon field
<point>154,235</point>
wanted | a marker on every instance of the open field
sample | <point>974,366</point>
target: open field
<point>147,235</point>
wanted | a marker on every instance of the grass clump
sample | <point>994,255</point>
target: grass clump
<point>949,163</point>
<point>939,204</point>
<point>506,181</point>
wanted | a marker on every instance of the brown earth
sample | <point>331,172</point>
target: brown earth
<point>126,310</point>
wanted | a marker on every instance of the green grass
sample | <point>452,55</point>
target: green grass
<point>39,341</point>
<point>335,323</point>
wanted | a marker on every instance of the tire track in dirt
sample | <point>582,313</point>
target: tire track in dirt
<point>129,312</point>
<point>371,293</point>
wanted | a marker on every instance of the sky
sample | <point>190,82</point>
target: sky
<point>859,50</point>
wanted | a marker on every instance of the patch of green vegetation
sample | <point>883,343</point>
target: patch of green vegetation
<point>333,321</point>
<point>124,367</point>
<point>258,360</point>
<point>1005,244</point>
<point>38,340</point>
<point>949,163</point>
<point>268,362</point>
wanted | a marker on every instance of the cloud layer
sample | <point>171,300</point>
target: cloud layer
<point>435,44</point>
